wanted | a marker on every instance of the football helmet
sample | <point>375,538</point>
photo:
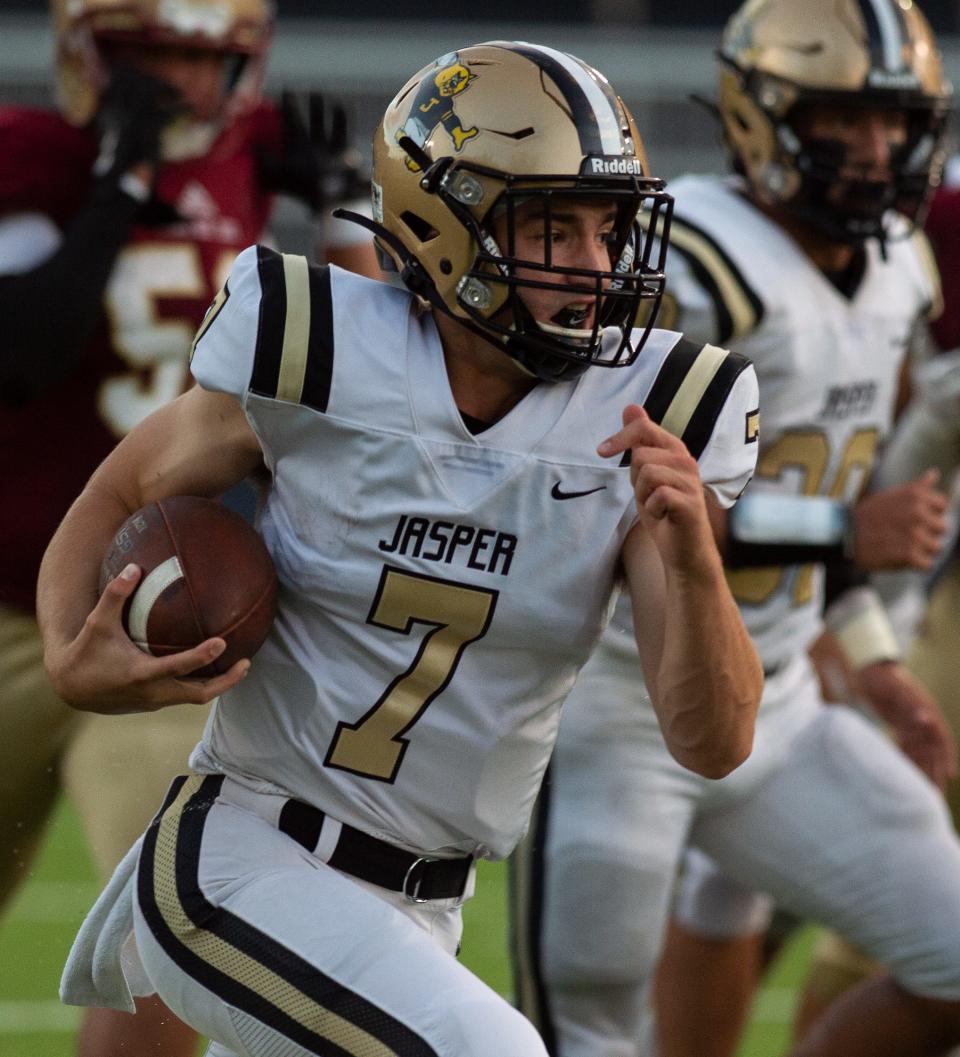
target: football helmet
<point>240,29</point>
<point>474,136</point>
<point>776,56</point>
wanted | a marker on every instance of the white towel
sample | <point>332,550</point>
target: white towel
<point>103,967</point>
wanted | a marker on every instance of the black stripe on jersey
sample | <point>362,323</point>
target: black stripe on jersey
<point>244,945</point>
<point>526,944</point>
<point>319,372</point>
<point>700,427</point>
<point>270,326</point>
<point>588,128</point>
<point>673,371</point>
<point>672,375</point>
<point>706,276</point>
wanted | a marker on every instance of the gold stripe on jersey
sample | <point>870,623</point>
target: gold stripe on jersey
<point>694,385</point>
<point>739,309</point>
<point>245,967</point>
<point>209,316</point>
<point>929,264</point>
<point>296,329</point>
<point>293,357</point>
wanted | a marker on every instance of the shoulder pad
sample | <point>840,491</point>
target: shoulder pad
<point>691,389</point>
<point>293,360</point>
<point>738,306</point>
<point>928,263</point>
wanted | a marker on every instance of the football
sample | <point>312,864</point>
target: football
<point>206,572</point>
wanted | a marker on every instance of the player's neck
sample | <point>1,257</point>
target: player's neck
<point>826,253</point>
<point>486,384</point>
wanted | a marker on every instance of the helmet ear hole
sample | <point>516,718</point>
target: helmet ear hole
<point>422,229</point>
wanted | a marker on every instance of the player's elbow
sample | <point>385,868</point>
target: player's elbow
<point>715,737</point>
<point>721,759</point>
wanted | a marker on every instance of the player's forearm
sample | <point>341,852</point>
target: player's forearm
<point>709,679</point>
<point>67,588</point>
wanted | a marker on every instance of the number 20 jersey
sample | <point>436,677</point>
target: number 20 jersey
<point>828,367</point>
<point>439,590</point>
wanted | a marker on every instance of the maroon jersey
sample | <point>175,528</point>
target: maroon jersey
<point>161,284</point>
<point>943,229</point>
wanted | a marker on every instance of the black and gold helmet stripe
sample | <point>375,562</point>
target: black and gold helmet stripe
<point>592,102</point>
<point>293,361</point>
<point>738,307</point>
<point>247,968</point>
<point>887,33</point>
<point>527,880</point>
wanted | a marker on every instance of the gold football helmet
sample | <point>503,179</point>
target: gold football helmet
<point>778,55</point>
<point>238,28</point>
<point>473,136</point>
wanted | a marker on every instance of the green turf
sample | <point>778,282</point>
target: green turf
<point>36,934</point>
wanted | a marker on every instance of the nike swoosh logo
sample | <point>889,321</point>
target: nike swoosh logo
<point>557,494</point>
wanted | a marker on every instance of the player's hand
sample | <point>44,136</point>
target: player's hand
<point>904,704</point>
<point>901,527</point>
<point>103,671</point>
<point>669,492</point>
<point>318,164</point>
<point>134,110</point>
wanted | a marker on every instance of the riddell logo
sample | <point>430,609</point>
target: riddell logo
<point>892,79</point>
<point>613,166</point>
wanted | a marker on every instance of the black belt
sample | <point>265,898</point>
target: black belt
<point>419,877</point>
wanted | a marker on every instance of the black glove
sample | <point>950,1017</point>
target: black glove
<point>318,164</point>
<point>134,110</point>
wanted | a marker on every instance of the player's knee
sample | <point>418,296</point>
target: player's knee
<point>711,904</point>
<point>489,1027</point>
<point>931,969</point>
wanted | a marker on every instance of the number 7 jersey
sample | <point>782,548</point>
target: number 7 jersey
<point>439,589</point>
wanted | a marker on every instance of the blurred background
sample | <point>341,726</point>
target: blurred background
<point>654,54</point>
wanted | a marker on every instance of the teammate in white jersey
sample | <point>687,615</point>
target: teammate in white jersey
<point>832,112</point>
<point>448,535</point>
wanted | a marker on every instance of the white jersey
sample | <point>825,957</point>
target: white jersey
<point>439,590</point>
<point>828,368</point>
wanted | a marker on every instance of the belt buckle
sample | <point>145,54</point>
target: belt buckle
<point>411,884</point>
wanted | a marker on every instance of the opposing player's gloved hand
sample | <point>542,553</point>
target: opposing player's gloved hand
<point>318,164</point>
<point>134,110</point>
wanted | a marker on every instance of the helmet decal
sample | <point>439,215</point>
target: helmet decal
<point>434,104</point>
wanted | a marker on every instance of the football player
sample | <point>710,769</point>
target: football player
<point>928,434</point>
<point>833,114</point>
<point>448,534</point>
<point>120,215</point>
